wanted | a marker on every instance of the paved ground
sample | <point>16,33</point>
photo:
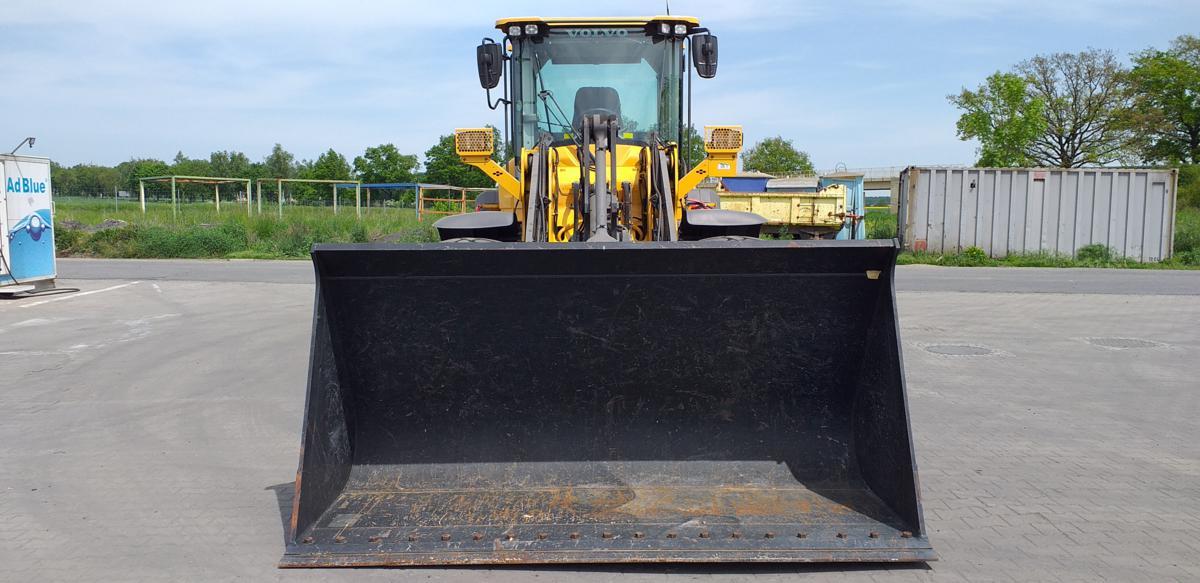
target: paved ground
<point>149,430</point>
<point>909,278</point>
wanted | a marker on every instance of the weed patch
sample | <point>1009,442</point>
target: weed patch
<point>93,228</point>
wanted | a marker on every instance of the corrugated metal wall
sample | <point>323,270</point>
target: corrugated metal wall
<point>1033,210</point>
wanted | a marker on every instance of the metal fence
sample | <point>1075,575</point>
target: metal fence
<point>1038,210</point>
<point>440,200</point>
<point>192,199</point>
<point>158,193</point>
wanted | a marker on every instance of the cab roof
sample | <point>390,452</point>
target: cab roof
<point>570,21</point>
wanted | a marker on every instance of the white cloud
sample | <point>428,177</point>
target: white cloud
<point>1110,12</point>
<point>357,15</point>
<point>860,82</point>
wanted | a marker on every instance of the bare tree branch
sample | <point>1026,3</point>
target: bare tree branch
<point>1085,105</point>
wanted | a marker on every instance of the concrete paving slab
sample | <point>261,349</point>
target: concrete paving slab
<point>150,431</point>
<point>908,277</point>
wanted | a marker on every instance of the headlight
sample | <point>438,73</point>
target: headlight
<point>664,28</point>
<point>531,29</point>
<point>680,29</point>
<point>514,30</point>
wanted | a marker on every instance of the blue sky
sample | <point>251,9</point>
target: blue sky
<point>857,82</point>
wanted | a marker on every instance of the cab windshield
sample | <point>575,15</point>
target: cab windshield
<point>570,72</point>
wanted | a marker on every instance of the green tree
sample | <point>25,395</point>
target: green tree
<point>693,144</point>
<point>385,163</point>
<point>1165,109</point>
<point>777,156</point>
<point>329,166</point>
<point>230,164</point>
<point>1004,116</point>
<point>258,170</point>
<point>62,179</point>
<point>280,163</point>
<point>93,180</point>
<point>1189,187</point>
<point>131,171</point>
<point>443,166</point>
<point>1085,108</point>
<point>184,166</point>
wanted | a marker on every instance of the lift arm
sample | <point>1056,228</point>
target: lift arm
<point>723,144</point>
<point>474,147</point>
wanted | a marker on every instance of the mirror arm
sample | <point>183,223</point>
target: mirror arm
<point>499,100</point>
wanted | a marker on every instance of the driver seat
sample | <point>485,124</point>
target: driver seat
<point>589,98</point>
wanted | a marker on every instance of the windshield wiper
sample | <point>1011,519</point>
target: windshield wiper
<point>560,115</point>
<point>541,84</point>
<point>560,118</point>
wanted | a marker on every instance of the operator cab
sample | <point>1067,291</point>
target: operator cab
<point>563,69</point>
<point>599,146</point>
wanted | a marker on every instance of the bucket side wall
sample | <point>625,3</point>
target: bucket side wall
<point>882,440</point>
<point>326,451</point>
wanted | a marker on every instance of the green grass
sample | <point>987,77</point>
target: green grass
<point>200,232</point>
<point>1189,187</point>
<point>977,258</point>
<point>1187,235</point>
<point>881,224</point>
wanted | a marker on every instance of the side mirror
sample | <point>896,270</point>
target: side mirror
<point>704,55</point>
<point>490,58</point>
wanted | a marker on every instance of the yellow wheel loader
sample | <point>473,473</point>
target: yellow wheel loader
<point>595,372</point>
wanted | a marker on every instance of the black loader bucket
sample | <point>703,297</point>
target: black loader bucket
<point>701,401</point>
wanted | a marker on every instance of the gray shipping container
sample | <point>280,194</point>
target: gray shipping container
<point>1038,210</point>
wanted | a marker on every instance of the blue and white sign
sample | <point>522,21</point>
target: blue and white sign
<point>27,241</point>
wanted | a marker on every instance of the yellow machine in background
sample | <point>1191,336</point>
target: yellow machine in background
<point>803,215</point>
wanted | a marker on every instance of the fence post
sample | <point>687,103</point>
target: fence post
<point>142,194</point>
<point>217,196</point>
<point>174,204</point>
<point>462,205</point>
<point>258,185</point>
<point>358,199</point>
<point>279,189</point>
<point>249,198</point>
<point>335,189</point>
